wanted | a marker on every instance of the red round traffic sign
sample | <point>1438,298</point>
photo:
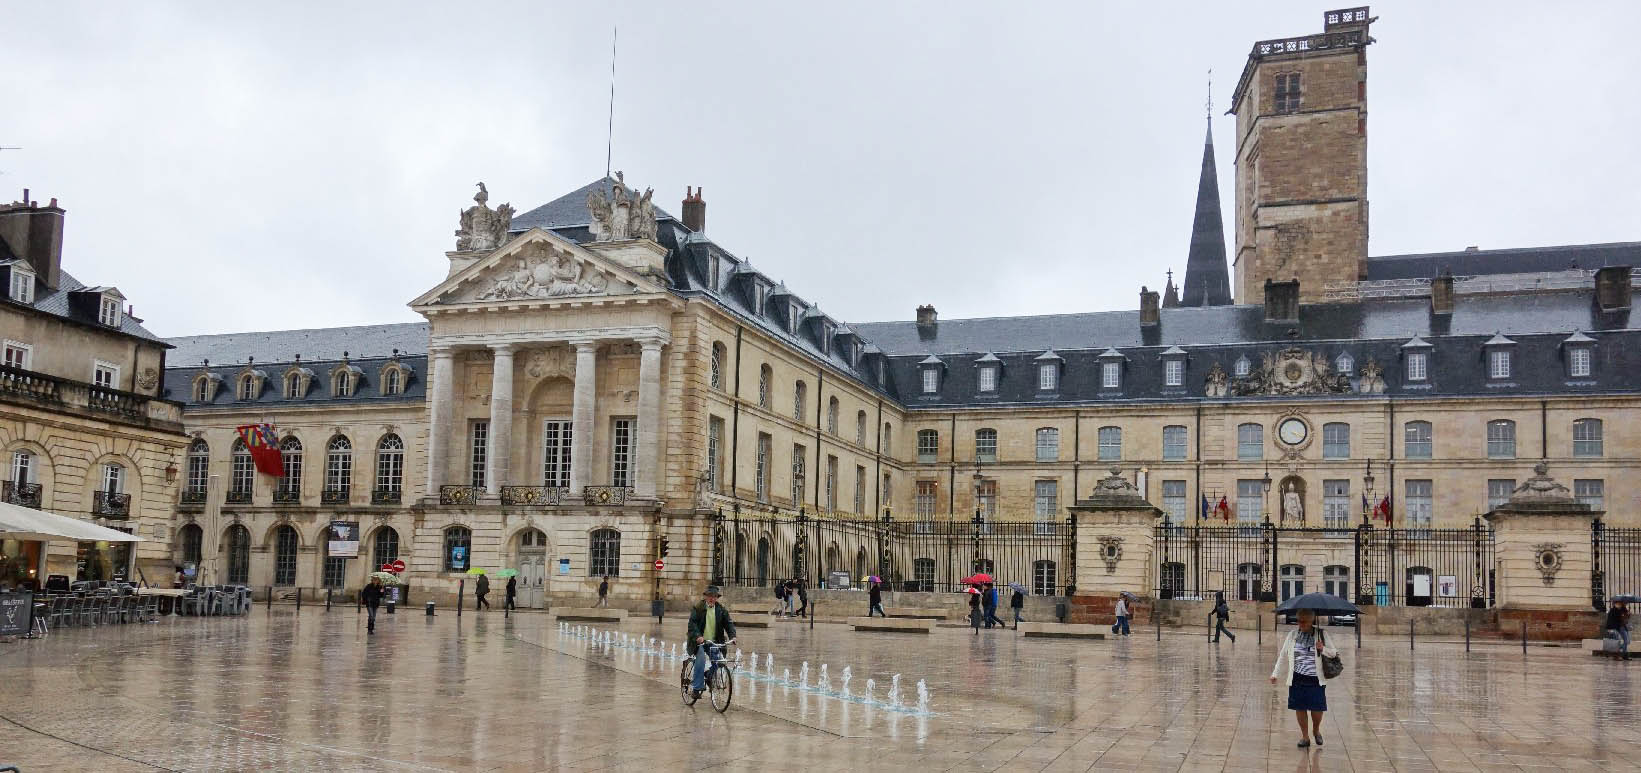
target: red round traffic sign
<point>659,564</point>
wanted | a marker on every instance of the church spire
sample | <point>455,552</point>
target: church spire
<point>1207,281</point>
<point>1170,294</point>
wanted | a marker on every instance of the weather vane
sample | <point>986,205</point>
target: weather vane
<point>1210,106</point>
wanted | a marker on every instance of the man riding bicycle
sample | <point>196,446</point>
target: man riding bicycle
<point>708,622</point>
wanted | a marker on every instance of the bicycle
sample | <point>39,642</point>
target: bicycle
<point>719,679</point>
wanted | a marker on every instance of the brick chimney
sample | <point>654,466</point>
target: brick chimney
<point>927,320</point>
<point>1441,293</point>
<point>35,234</point>
<point>1282,300</point>
<point>1612,288</point>
<point>695,210</point>
<point>1150,308</point>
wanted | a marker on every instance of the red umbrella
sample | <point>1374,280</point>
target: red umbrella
<point>976,578</point>
<point>975,591</point>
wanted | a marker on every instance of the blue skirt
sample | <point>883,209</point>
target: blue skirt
<point>1307,694</point>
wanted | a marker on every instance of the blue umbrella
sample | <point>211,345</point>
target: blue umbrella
<point>1325,603</point>
<point>1020,588</point>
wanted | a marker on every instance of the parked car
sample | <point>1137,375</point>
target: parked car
<point>1345,619</point>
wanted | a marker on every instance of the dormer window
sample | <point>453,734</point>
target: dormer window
<point>1580,355</point>
<point>793,310</point>
<point>988,378</point>
<point>293,386</point>
<point>1111,362</point>
<point>1498,350</point>
<point>929,373</point>
<point>202,390</point>
<point>1241,368</point>
<point>1048,376</point>
<point>1416,355</point>
<point>342,384</point>
<point>247,387</point>
<point>22,284</point>
<point>1345,364</point>
<point>108,312</point>
<point>1173,367</point>
<point>987,370</point>
<point>390,384</point>
<point>759,292</point>
<point>395,376</point>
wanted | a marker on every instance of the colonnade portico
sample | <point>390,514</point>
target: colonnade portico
<point>505,349</point>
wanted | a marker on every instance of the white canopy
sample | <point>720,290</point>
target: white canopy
<point>18,522</point>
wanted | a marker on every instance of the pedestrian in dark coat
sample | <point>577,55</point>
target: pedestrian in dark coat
<point>372,598</point>
<point>512,593</point>
<point>989,603</point>
<point>975,615</point>
<point>875,596</point>
<point>1221,613</point>
<point>1018,604</point>
<point>803,600</point>
<point>480,591</point>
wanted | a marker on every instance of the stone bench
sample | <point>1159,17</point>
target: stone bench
<point>1064,630</point>
<point>892,624</point>
<point>590,614</point>
<point>921,613</point>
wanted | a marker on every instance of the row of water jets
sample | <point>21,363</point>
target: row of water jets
<point>749,668</point>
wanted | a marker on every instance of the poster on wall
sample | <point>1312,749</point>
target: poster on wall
<point>458,557</point>
<point>563,567</point>
<point>344,539</point>
<point>1447,586</point>
<point>1421,585</point>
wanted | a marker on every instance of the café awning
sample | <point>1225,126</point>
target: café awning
<point>18,522</point>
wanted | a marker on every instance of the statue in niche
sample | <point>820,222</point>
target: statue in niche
<point>1293,508</point>
<point>483,228</point>
<point>622,213</point>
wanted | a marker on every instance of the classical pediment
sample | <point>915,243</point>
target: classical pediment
<point>538,265</point>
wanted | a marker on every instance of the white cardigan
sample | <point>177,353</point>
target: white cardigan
<point>1285,655</point>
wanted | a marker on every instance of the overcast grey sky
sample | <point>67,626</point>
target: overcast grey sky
<point>237,167</point>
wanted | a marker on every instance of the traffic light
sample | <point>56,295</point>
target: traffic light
<point>664,546</point>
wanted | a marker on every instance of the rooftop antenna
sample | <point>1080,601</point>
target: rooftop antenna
<point>1210,106</point>
<point>609,130</point>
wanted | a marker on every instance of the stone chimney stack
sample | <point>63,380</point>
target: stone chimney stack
<point>1150,311</point>
<point>1441,293</point>
<point>1612,288</point>
<point>35,234</point>
<point>927,319</point>
<point>1282,300</point>
<point>694,210</point>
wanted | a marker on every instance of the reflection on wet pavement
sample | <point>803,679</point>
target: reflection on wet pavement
<point>314,691</point>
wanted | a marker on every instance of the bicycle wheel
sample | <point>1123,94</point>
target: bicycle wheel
<point>723,687</point>
<point>686,677</point>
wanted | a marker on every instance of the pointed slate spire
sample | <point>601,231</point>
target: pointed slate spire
<point>1170,293</point>
<point>1207,282</point>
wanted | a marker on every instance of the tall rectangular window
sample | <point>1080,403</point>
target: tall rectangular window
<point>1336,504</point>
<point>22,285</point>
<point>926,500</point>
<point>290,457</point>
<point>1418,366</point>
<point>1591,492</point>
<point>988,378</point>
<point>1173,500</point>
<point>1046,500</point>
<point>556,436</point>
<point>1416,504</point>
<point>1501,439</point>
<point>623,442</point>
<point>985,445</point>
<point>800,395</point>
<point>1587,438</point>
<point>1286,98</point>
<point>1110,375</point>
<point>760,477</point>
<point>831,484</point>
<point>1498,363</point>
<point>928,446</point>
<point>1250,442</point>
<point>1110,444</point>
<point>1173,373</point>
<point>1578,361</point>
<point>479,452</point>
<point>1336,440</point>
<point>22,467</point>
<point>985,498</point>
<point>860,489</point>
<point>1173,443</point>
<point>1498,492</point>
<point>715,450</point>
<point>1048,444</point>
<point>931,381</point>
<point>1418,436</point>
<point>17,355</point>
<point>1048,376</point>
<point>109,312</point>
<point>798,467</point>
<point>242,472</point>
<point>1250,501</point>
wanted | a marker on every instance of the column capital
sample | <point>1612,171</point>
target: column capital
<point>503,349</point>
<point>584,345</point>
<point>651,344</point>
<point>441,351</point>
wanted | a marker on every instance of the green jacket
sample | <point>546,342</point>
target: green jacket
<point>698,624</point>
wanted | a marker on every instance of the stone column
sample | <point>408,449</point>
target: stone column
<point>1115,536</point>
<point>1542,547</point>
<point>647,463</point>
<point>439,408</point>
<point>501,419</point>
<point>583,415</point>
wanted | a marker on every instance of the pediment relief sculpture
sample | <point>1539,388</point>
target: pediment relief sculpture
<point>622,213</point>
<point>1291,371</point>
<point>483,228</point>
<point>537,270</point>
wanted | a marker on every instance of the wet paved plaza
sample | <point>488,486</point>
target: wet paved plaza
<point>279,690</point>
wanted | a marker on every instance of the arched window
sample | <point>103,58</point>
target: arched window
<point>247,387</point>
<point>390,469</point>
<point>238,542</point>
<point>285,543</point>
<point>1293,581</point>
<point>1250,442</point>
<point>342,384</point>
<point>604,553</point>
<point>800,395</point>
<point>458,541</point>
<point>532,538</point>
<point>923,575</point>
<point>290,482</point>
<point>1587,437</point>
<point>335,567</point>
<point>199,471</point>
<point>832,415</point>
<point>242,473</point>
<point>1501,439</point>
<point>293,385</point>
<point>716,374</point>
<point>202,390</point>
<point>338,468</point>
<point>764,376</point>
<point>928,445</point>
<point>385,549</point>
<point>763,560</point>
<point>391,382</point>
<point>191,538</point>
<point>1172,579</point>
<point>1418,440</point>
<point>985,445</point>
<point>1045,577</point>
<point>860,428</point>
<point>1242,366</point>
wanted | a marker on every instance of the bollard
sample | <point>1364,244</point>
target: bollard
<point>299,599</point>
<point>1524,637</point>
<point>1466,633</point>
<point>430,609</point>
<point>327,599</point>
<point>1358,628</point>
<point>1260,635</point>
<point>461,595</point>
<point>270,598</point>
<point>1410,636</point>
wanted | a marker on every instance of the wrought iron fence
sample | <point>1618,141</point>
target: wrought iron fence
<point>1615,564</point>
<point>762,549</point>
<point>1380,567</point>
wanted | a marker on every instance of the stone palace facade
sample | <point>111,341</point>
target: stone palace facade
<point>596,379</point>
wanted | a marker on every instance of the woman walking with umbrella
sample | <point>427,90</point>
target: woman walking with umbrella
<point>1307,661</point>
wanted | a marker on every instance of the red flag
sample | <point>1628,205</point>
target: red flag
<point>1224,508</point>
<point>264,447</point>
<point>1385,506</point>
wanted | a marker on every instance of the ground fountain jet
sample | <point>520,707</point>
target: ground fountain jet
<point>843,686</point>
<point>803,676</point>
<point>922,697</point>
<point>825,683</point>
<point>894,692</point>
<point>871,687</point>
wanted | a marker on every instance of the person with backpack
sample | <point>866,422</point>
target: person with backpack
<point>780,600</point>
<point>1221,614</point>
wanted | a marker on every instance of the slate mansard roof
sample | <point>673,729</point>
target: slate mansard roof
<point>367,348</point>
<point>1525,260</point>
<point>55,302</point>
<point>367,388</point>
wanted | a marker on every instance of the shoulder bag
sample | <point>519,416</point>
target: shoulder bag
<point>1332,665</point>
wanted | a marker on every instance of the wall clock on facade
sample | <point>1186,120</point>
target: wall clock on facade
<point>1292,431</point>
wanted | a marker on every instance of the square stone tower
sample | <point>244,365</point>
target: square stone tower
<point>1301,159</point>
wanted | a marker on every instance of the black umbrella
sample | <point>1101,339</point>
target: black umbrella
<point>1325,603</point>
<point>1628,598</point>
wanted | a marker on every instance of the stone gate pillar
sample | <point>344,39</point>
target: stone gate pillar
<point>1542,559</point>
<point>1115,528</point>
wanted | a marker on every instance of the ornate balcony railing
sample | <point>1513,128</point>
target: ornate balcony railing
<point>192,496</point>
<point>61,394</point>
<point>334,496</point>
<point>107,504</point>
<point>25,494</point>
<point>458,495</point>
<point>605,495</point>
<point>287,496</point>
<point>537,496</point>
<point>385,497</point>
<point>238,497</point>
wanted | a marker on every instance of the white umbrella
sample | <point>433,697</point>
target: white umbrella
<point>25,523</point>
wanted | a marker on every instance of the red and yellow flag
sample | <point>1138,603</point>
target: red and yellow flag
<point>264,447</point>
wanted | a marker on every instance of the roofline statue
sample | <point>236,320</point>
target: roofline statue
<point>483,228</point>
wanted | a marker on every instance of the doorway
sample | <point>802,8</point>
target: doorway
<point>532,567</point>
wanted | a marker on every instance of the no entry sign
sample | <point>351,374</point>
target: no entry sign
<point>659,564</point>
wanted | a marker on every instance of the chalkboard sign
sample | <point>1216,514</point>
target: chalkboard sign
<point>14,613</point>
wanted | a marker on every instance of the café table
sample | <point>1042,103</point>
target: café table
<point>174,595</point>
